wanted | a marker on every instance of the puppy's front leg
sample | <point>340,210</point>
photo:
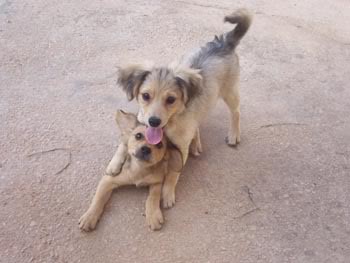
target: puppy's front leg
<point>104,190</point>
<point>115,165</point>
<point>154,215</point>
<point>168,191</point>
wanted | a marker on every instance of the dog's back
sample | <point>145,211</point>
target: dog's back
<point>218,64</point>
<point>223,45</point>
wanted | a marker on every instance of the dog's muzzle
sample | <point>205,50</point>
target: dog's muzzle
<point>144,153</point>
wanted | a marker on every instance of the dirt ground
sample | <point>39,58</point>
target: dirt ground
<point>283,195</point>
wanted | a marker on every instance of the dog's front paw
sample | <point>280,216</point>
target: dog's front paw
<point>88,221</point>
<point>154,219</point>
<point>168,197</point>
<point>232,140</point>
<point>114,169</point>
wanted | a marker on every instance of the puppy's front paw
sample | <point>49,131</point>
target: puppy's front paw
<point>168,197</point>
<point>88,221</point>
<point>114,169</point>
<point>154,219</point>
<point>232,140</point>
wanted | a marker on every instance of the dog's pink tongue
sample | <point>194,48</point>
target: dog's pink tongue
<point>154,135</point>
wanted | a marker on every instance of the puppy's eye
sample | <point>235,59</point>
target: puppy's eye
<point>159,145</point>
<point>170,100</point>
<point>138,136</point>
<point>146,97</point>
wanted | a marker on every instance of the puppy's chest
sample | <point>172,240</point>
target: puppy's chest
<point>147,179</point>
<point>144,177</point>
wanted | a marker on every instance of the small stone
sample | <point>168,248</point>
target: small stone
<point>33,223</point>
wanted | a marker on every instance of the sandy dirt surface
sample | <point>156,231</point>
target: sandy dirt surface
<point>282,196</point>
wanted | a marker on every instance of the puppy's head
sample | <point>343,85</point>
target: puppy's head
<point>134,135</point>
<point>143,151</point>
<point>161,92</point>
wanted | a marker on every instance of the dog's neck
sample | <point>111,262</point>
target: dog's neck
<point>136,167</point>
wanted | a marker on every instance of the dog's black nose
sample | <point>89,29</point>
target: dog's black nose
<point>154,121</point>
<point>145,150</point>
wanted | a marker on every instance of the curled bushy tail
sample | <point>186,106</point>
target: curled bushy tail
<point>242,18</point>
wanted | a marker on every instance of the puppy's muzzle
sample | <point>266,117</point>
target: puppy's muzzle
<point>144,153</point>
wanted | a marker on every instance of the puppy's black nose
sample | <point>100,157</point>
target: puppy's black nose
<point>145,150</point>
<point>154,121</point>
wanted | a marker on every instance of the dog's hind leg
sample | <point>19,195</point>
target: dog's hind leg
<point>232,100</point>
<point>196,145</point>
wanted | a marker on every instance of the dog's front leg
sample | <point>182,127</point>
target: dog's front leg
<point>115,165</point>
<point>104,190</point>
<point>168,191</point>
<point>154,215</point>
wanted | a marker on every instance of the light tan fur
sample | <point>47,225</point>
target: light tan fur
<point>129,168</point>
<point>196,82</point>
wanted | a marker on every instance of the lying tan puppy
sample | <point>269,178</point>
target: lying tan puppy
<point>135,162</point>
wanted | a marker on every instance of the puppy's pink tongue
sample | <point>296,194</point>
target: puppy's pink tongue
<point>154,135</point>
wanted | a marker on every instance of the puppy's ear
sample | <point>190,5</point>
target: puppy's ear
<point>131,78</point>
<point>189,81</point>
<point>126,122</point>
<point>175,160</point>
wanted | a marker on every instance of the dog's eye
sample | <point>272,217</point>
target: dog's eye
<point>159,145</point>
<point>170,100</point>
<point>138,136</point>
<point>146,97</point>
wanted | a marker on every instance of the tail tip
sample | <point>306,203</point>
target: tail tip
<point>239,15</point>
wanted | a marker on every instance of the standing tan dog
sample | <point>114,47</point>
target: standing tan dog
<point>176,98</point>
<point>136,162</point>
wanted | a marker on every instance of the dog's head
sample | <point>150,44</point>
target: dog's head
<point>133,133</point>
<point>161,92</point>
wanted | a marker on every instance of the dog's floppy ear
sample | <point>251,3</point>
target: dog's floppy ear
<point>175,160</point>
<point>131,78</point>
<point>189,80</point>
<point>126,122</point>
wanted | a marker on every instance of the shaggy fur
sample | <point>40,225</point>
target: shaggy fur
<point>182,94</point>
